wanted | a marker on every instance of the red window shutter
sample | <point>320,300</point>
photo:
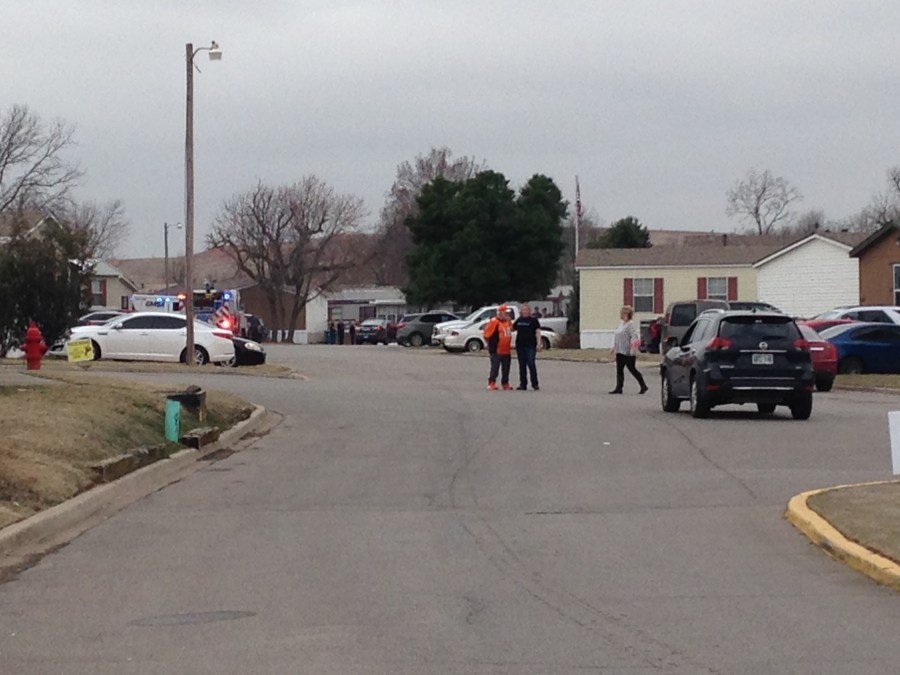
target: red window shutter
<point>103,291</point>
<point>732,288</point>
<point>701,288</point>
<point>629,292</point>
<point>658,302</point>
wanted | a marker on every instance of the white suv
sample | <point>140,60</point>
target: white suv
<point>156,336</point>
<point>870,313</point>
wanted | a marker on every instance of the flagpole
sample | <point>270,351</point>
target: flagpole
<point>577,216</point>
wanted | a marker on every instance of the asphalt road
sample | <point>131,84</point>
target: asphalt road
<point>402,520</point>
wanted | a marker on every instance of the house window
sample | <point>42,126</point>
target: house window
<point>98,293</point>
<point>896,284</point>
<point>717,288</point>
<point>125,302</point>
<point>643,295</point>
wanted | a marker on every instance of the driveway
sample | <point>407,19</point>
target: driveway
<point>403,520</point>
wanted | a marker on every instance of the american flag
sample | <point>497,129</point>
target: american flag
<point>578,210</point>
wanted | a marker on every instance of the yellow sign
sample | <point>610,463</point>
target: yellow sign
<point>80,350</point>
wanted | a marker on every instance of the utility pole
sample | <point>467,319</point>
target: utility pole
<point>189,205</point>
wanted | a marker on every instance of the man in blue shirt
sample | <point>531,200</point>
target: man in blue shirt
<point>528,340</point>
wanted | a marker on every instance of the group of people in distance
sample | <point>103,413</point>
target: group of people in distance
<point>338,332</point>
<point>527,328</point>
<point>498,335</point>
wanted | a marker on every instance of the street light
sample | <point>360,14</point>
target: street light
<point>166,227</point>
<point>215,54</point>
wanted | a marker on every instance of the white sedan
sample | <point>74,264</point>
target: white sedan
<point>470,339</point>
<point>156,336</point>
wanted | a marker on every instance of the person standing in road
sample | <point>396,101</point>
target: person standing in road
<point>340,331</point>
<point>528,340</point>
<point>352,331</point>
<point>626,341</point>
<point>498,334</point>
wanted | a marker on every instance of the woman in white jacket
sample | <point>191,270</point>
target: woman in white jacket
<point>626,341</point>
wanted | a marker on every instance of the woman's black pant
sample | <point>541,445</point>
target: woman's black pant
<point>624,361</point>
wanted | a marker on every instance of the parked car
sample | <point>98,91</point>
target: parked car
<point>470,338</point>
<point>819,325</point>
<point>372,331</point>
<point>752,306</point>
<point>156,336</point>
<point>739,357</point>
<point>442,330</point>
<point>824,357</point>
<point>418,329</point>
<point>246,353</point>
<point>97,318</point>
<point>868,313</point>
<point>680,315</point>
<point>393,326</point>
<point>866,347</point>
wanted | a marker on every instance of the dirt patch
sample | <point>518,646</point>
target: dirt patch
<point>53,434</point>
<point>866,514</point>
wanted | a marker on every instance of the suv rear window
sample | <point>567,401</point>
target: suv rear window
<point>747,332</point>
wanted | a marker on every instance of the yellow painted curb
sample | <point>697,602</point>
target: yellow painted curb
<point>824,535</point>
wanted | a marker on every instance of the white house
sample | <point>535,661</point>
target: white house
<point>812,275</point>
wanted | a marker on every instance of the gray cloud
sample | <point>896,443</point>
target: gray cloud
<point>658,107</point>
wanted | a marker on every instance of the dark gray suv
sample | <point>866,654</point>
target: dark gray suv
<point>739,357</point>
<point>417,329</point>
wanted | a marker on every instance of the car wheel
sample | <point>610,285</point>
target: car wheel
<point>699,406</point>
<point>474,345</point>
<point>545,343</point>
<point>669,402</point>
<point>765,408</point>
<point>201,358</point>
<point>416,340</point>
<point>824,382</point>
<point>96,349</point>
<point>801,408</point>
<point>851,366</point>
<point>230,363</point>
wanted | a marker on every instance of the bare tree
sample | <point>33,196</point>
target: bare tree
<point>290,239</point>
<point>33,172</point>
<point>104,226</point>
<point>762,200</point>
<point>393,240</point>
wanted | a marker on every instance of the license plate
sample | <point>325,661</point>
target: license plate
<point>763,360</point>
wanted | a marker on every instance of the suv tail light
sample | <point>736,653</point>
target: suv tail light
<point>719,343</point>
<point>801,343</point>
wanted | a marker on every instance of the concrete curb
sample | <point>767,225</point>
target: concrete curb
<point>63,522</point>
<point>824,535</point>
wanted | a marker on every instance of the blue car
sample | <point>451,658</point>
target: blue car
<point>866,347</point>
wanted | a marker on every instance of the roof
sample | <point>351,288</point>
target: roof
<point>674,256</point>
<point>842,240</point>
<point>874,238</point>
<point>747,251</point>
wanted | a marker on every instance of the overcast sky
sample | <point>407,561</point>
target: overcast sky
<point>658,106</point>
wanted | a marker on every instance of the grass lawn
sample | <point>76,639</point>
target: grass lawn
<point>592,356</point>
<point>103,366</point>
<point>867,514</point>
<point>54,432</point>
<point>867,382</point>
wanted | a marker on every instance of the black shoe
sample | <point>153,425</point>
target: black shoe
<point>616,391</point>
<point>521,388</point>
<point>536,388</point>
<point>644,389</point>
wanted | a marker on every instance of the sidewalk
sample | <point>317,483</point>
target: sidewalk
<point>858,525</point>
<point>15,376</point>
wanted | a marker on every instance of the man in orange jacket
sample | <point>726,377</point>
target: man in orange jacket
<point>498,334</point>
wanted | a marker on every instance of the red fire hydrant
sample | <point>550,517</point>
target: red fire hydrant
<point>34,347</point>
